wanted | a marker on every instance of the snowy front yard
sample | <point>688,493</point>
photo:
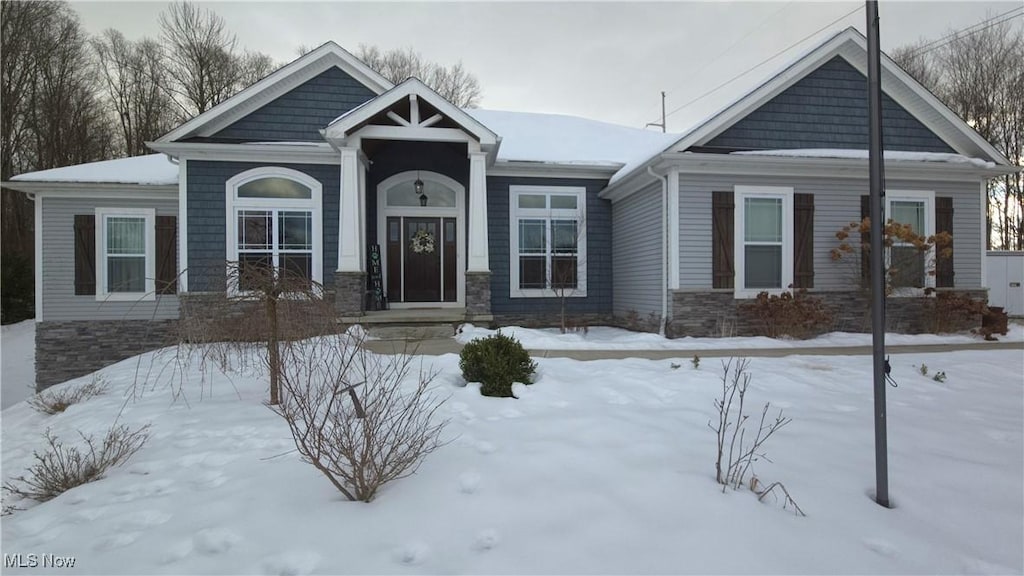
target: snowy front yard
<point>600,467</point>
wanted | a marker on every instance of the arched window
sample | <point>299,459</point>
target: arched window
<point>274,222</point>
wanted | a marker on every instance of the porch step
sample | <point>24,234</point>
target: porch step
<point>410,331</point>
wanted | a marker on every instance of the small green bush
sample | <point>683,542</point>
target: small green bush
<point>496,362</point>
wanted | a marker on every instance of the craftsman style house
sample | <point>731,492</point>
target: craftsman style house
<point>494,216</point>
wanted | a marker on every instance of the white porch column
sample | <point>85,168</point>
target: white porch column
<point>350,241</point>
<point>478,249</point>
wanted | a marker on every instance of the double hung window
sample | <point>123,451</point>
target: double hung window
<point>547,241</point>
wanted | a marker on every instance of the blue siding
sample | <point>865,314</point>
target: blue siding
<point>599,251</point>
<point>395,157</point>
<point>206,225</point>
<point>826,109</point>
<point>301,113</point>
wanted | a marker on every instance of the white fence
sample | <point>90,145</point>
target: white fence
<point>1005,280</point>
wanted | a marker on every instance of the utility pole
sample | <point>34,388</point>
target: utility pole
<point>877,187</point>
<point>662,125</point>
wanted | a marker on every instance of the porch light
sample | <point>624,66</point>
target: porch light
<point>418,186</point>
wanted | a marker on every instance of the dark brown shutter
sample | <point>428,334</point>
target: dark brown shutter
<point>166,254</point>
<point>85,255</point>
<point>803,240</point>
<point>944,223</point>
<point>865,243</point>
<point>722,225</point>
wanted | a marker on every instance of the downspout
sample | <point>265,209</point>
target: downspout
<point>664,249</point>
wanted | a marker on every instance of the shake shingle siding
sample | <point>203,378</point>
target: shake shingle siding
<point>598,300</point>
<point>826,109</point>
<point>836,203</point>
<point>207,249</point>
<point>301,113</point>
<point>637,254</point>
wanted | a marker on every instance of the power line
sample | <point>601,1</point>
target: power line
<point>761,63</point>
<point>731,46</point>
<point>958,36</point>
<point>929,46</point>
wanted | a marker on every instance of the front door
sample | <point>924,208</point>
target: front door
<point>422,259</point>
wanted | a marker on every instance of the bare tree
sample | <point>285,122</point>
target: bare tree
<point>200,58</point>
<point>453,82</point>
<point>134,76</point>
<point>51,117</point>
<point>979,74</point>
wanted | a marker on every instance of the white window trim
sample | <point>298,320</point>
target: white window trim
<point>739,254</point>
<point>515,213</point>
<point>233,204</point>
<point>928,197</point>
<point>102,290</point>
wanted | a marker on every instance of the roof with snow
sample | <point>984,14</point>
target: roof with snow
<point>560,139</point>
<point>152,169</point>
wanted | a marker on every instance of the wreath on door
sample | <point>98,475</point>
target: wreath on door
<point>422,242</point>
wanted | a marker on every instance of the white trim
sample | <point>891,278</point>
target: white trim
<point>515,214</point>
<point>673,229</point>
<point>342,127</point>
<point>183,226</point>
<point>304,153</point>
<point>694,163</point>
<point>479,259</point>
<point>515,168</point>
<point>457,212</point>
<point>927,197</point>
<point>232,204</point>
<point>95,190</point>
<point>413,133</point>
<point>102,288</point>
<point>289,76</point>
<point>350,244</point>
<point>38,208</point>
<point>741,193</point>
<point>984,235</point>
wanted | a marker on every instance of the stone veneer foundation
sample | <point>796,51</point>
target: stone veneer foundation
<point>350,293</point>
<point>66,350</point>
<point>478,294</point>
<point>718,314</point>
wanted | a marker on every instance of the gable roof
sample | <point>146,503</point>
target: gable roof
<point>279,82</point>
<point>352,120</point>
<point>851,45</point>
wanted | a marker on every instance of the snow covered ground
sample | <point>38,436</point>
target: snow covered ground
<point>600,467</point>
<point>17,362</point>
<point>607,338</point>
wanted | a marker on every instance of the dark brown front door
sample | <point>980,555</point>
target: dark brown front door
<point>422,259</point>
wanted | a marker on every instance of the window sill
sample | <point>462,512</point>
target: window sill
<point>127,297</point>
<point>547,293</point>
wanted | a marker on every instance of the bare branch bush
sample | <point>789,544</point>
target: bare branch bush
<point>266,311</point>
<point>737,451</point>
<point>59,468</point>
<point>353,417</point>
<point>57,401</point>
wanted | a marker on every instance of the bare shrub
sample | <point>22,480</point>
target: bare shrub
<point>737,450</point>
<point>57,401</point>
<point>271,307</point>
<point>59,468</point>
<point>351,416</point>
<point>796,314</point>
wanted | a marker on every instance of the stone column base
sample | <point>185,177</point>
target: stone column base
<point>478,294</point>
<point>350,293</point>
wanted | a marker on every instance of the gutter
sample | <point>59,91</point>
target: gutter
<point>664,249</point>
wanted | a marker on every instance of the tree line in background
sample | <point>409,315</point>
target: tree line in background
<point>979,74</point>
<point>69,98</point>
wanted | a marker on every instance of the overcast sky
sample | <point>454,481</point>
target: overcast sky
<point>606,61</point>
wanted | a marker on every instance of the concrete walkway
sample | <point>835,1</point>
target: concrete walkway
<point>438,346</point>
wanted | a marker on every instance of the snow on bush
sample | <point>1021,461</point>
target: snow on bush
<point>496,362</point>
